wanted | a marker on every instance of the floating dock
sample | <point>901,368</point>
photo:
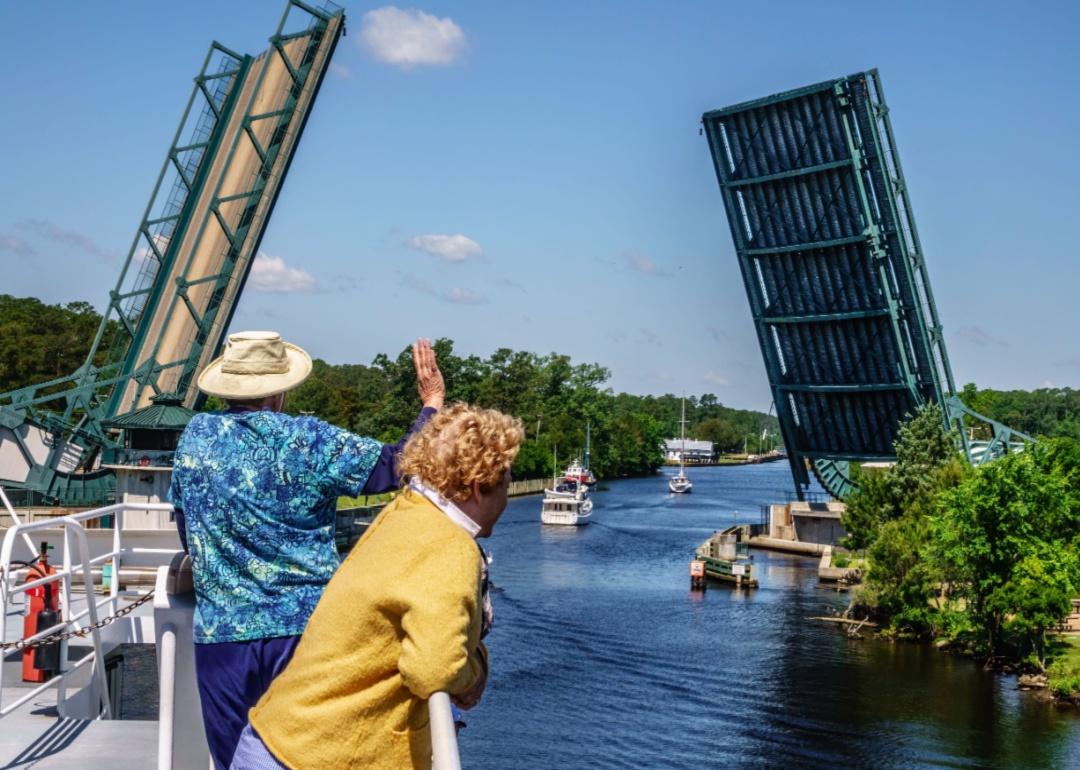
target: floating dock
<point>726,556</point>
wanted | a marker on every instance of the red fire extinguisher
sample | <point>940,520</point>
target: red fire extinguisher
<point>39,664</point>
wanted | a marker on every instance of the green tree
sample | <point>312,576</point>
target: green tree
<point>724,434</point>
<point>923,449</point>
<point>40,342</point>
<point>1037,595</point>
<point>1007,536</point>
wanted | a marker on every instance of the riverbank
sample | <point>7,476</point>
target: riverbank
<point>1058,681</point>
<point>376,502</point>
<point>1063,671</point>
<point>579,608</point>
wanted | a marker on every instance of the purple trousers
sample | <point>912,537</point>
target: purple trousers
<point>232,676</point>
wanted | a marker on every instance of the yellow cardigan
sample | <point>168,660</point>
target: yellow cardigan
<point>399,621</point>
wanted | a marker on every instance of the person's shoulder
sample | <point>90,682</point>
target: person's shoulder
<point>200,419</point>
<point>423,519</point>
<point>200,424</point>
<point>334,436</point>
<point>282,422</point>
<point>307,423</point>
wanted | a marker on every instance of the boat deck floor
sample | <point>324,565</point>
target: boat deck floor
<point>33,736</point>
<point>36,738</point>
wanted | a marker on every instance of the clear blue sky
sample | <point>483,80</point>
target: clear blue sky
<point>562,140</point>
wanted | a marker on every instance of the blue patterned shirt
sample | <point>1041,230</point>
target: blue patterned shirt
<point>259,494</point>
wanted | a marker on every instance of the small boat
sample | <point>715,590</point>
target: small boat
<point>570,509</point>
<point>564,489</point>
<point>578,473</point>
<point>726,557</point>
<point>567,503</point>
<point>681,484</point>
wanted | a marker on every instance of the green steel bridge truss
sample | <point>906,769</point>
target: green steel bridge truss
<point>188,262</point>
<point>833,268</point>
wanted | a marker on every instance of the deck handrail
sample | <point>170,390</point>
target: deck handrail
<point>166,696</point>
<point>444,745</point>
<point>76,544</point>
<point>78,562</point>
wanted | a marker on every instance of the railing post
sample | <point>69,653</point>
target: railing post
<point>15,519</point>
<point>444,746</point>
<point>114,579</point>
<point>91,605</point>
<point>181,735</point>
<point>5,567</point>
<point>65,615</point>
<point>166,696</point>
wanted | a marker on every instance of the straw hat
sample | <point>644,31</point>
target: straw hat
<point>255,365</point>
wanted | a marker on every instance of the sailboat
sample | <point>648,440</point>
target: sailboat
<point>680,484</point>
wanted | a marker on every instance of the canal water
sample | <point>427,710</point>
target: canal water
<point>603,658</point>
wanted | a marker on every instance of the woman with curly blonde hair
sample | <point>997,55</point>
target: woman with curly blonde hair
<point>403,617</point>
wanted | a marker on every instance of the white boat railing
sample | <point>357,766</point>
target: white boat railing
<point>166,696</point>
<point>444,745</point>
<point>174,639</point>
<point>77,564</point>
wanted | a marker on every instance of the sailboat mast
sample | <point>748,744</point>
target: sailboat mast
<point>682,427</point>
<point>588,436</point>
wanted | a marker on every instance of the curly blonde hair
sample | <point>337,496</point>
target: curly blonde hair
<point>460,446</point>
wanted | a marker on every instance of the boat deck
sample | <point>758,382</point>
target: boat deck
<point>37,738</point>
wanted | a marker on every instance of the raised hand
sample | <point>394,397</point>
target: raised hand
<point>429,380</point>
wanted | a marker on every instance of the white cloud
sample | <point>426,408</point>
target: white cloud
<point>649,337</point>
<point>508,284</point>
<point>977,335</point>
<point>16,246</point>
<point>271,274</point>
<point>416,283</point>
<point>340,70</point>
<point>449,248</point>
<point>463,296</point>
<point>53,232</point>
<point>718,334</point>
<point>411,38</point>
<point>642,264</point>
<point>143,252</point>
<point>714,379</point>
<point>456,295</point>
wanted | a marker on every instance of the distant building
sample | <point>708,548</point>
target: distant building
<point>694,452</point>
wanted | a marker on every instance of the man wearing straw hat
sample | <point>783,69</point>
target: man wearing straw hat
<point>256,494</point>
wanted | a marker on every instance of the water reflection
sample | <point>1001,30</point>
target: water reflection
<point>602,657</point>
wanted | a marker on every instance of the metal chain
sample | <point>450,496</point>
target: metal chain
<point>60,636</point>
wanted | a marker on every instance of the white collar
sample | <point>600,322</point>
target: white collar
<point>448,507</point>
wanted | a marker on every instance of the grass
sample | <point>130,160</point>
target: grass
<point>1063,673</point>
<point>362,501</point>
<point>842,559</point>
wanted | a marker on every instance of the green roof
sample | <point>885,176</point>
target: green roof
<point>167,412</point>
